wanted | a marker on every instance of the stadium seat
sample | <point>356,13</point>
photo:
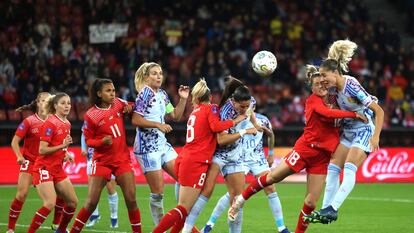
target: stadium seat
<point>13,115</point>
<point>3,115</point>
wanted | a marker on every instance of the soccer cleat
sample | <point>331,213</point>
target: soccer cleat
<point>326,215</point>
<point>285,231</point>
<point>57,231</point>
<point>235,208</point>
<point>114,223</point>
<point>311,218</point>
<point>54,227</point>
<point>207,228</point>
<point>10,231</point>
<point>93,220</point>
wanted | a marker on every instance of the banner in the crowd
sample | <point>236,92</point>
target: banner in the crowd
<point>106,33</point>
<point>386,165</point>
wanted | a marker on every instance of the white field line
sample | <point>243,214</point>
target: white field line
<point>48,227</point>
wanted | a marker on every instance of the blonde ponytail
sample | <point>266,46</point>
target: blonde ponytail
<point>311,72</point>
<point>200,92</point>
<point>342,51</point>
<point>141,73</point>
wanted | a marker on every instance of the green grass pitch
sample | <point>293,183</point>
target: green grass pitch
<point>370,208</point>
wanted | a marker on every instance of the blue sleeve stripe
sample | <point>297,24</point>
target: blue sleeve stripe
<point>224,110</point>
<point>145,93</point>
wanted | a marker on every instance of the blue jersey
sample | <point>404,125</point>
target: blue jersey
<point>354,98</point>
<point>152,106</point>
<point>253,144</point>
<point>232,152</point>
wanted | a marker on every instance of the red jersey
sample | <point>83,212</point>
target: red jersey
<point>100,122</point>
<point>29,129</point>
<point>54,131</point>
<point>202,126</point>
<point>319,130</point>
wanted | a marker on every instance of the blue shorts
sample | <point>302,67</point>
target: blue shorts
<point>357,137</point>
<point>256,167</point>
<point>154,161</point>
<point>227,167</point>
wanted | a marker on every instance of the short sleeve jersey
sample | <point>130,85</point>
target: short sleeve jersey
<point>29,130</point>
<point>201,140</point>
<point>101,122</point>
<point>54,131</point>
<point>152,106</point>
<point>253,144</point>
<point>354,98</point>
<point>232,152</point>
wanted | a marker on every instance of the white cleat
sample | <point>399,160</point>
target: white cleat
<point>235,207</point>
<point>10,231</point>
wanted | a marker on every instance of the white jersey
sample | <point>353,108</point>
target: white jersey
<point>234,151</point>
<point>253,144</point>
<point>354,98</point>
<point>152,106</point>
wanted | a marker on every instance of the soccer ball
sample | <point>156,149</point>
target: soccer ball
<point>264,63</point>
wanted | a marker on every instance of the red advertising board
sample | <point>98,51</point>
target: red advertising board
<point>386,165</point>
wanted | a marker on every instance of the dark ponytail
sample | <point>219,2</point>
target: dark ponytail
<point>33,105</point>
<point>231,85</point>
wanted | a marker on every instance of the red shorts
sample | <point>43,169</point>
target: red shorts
<point>42,175</point>
<point>106,170</point>
<point>315,160</point>
<point>27,167</point>
<point>190,173</point>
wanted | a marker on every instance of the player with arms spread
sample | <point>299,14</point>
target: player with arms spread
<point>105,132</point>
<point>311,151</point>
<point>151,148</point>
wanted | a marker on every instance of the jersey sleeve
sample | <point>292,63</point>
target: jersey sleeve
<point>214,120</point>
<point>169,107</point>
<point>355,89</point>
<point>23,128</point>
<point>47,132</point>
<point>266,122</point>
<point>89,131</point>
<point>143,100</point>
<point>320,108</point>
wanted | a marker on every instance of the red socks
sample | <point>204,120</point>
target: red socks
<point>15,209</point>
<point>135,219</point>
<point>80,220</point>
<point>302,226</point>
<point>38,219</point>
<point>175,216</point>
<point>255,187</point>
<point>67,215</point>
<point>60,203</point>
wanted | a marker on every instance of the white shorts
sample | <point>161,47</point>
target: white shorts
<point>227,167</point>
<point>357,137</point>
<point>256,167</point>
<point>89,168</point>
<point>154,161</point>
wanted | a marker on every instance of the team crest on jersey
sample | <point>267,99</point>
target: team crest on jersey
<point>22,126</point>
<point>49,131</point>
<point>214,109</point>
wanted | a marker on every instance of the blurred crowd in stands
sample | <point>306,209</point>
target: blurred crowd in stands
<point>44,46</point>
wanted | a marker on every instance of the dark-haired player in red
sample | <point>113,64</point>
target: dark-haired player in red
<point>312,151</point>
<point>194,160</point>
<point>48,174</point>
<point>105,132</point>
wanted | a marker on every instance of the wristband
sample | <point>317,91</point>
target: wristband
<point>242,132</point>
<point>270,153</point>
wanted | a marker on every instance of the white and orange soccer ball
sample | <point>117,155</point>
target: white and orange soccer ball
<point>264,63</point>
